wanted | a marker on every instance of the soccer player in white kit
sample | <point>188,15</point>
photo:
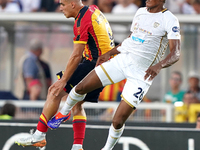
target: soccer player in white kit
<point>139,60</point>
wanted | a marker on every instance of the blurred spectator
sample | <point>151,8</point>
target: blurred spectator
<point>198,122</point>
<point>30,5</point>
<point>187,7</point>
<point>174,6</point>
<point>189,98</point>
<point>193,83</point>
<point>87,2</point>
<point>175,94</point>
<point>125,7</point>
<point>105,6</point>
<point>33,74</point>
<point>196,6</point>
<point>49,5</point>
<point>10,7</point>
<point>7,111</point>
<point>18,2</point>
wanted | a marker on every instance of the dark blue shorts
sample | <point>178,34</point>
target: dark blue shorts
<point>82,70</point>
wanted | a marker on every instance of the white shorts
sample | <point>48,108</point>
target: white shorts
<point>120,68</point>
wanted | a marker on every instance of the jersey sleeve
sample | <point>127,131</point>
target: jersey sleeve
<point>81,32</point>
<point>172,27</point>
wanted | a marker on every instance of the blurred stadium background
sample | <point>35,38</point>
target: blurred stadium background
<point>56,32</point>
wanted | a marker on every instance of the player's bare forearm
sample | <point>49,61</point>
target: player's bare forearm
<point>73,62</point>
<point>71,67</point>
<point>174,55</point>
<point>114,51</point>
<point>103,58</point>
<point>171,58</point>
<point>106,56</point>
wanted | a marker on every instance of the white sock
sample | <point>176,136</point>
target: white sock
<point>76,146</point>
<point>39,134</point>
<point>114,135</point>
<point>72,99</point>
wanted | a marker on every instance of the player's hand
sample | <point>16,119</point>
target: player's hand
<point>103,58</point>
<point>57,87</point>
<point>152,72</point>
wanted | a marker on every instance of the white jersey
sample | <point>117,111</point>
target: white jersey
<point>149,38</point>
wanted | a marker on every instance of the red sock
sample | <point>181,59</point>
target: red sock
<point>79,123</point>
<point>42,123</point>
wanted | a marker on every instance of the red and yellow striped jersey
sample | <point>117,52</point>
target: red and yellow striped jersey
<point>92,28</point>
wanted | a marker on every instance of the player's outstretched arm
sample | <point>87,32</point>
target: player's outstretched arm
<point>172,57</point>
<point>106,56</point>
<point>72,64</point>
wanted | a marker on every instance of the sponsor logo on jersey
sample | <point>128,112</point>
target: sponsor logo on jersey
<point>175,29</point>
<point>145,31</point>
<point>137,39</point>
<point>137,28</point>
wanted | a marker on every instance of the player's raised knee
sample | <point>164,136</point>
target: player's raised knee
<point>117,124</point>
<point>80,89</point>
